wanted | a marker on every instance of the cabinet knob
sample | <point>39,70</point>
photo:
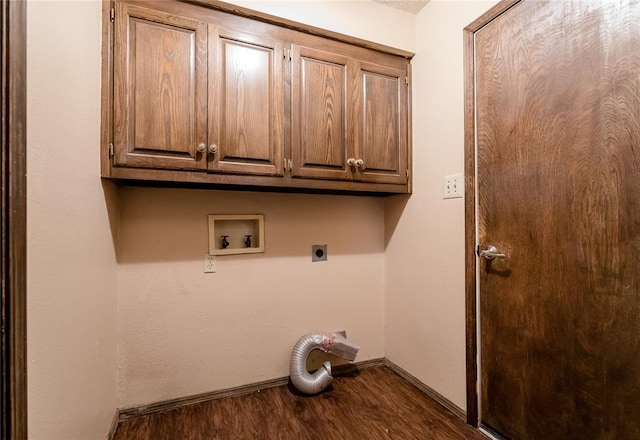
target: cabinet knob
<point>213,148</point>
<point>351,162</point>
<point>201,147</point>
<point>360,163</point>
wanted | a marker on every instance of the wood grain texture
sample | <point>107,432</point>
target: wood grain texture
<point>106,90</point>
<point>382,130</point>
<point>249,105</point>
<point>380,122</point>
<point>160,89</point>
<point>246,103</point>
<point>470,205</point>
<point>14,221</point>
<point>185,179</point>
<point>375,110</point>
<point>409,106</point>
<point>171,404</point>
<point>300,27</point>
<point>558,89</point>
<point>319,93</point>
<point>470,240</point>
<point>374,403</point>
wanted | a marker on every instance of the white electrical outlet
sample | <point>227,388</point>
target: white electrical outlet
<point>452,186</point>
<point>210,265</point>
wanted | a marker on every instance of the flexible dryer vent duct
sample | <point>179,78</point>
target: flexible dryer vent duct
<point>334,343</point>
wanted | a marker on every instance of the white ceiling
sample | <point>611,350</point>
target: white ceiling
<point>412,6</point>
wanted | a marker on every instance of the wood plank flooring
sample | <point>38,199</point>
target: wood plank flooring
<point>369,404</point>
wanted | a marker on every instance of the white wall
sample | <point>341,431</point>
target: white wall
<point>424,258</point>
<point>71,266</point>
<point>182,332</point>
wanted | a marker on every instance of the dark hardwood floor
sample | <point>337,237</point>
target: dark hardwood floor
<point>373,403</point>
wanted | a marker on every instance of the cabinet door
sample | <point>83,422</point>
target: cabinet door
<point>319,114</point>
<point>380,123</point>
<point>246,103</point>
<point>160,89</point>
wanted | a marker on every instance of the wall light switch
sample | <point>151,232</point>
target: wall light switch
<point>453,186</point>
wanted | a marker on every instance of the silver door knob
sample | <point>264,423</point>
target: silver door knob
<point>201,147</point>
<point>213,149</point>
<point>491,253</point>
<point>351,162</point>
<point>360,163</point>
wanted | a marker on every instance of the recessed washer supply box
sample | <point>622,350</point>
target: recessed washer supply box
<point>236,234</point>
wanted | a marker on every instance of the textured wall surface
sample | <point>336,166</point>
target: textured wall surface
<point>358,18</point>
<point>71,267</point>
<point>424,257</point>
<point>183,332</point>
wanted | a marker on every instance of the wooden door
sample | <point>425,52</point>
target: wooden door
<point>558,159</point>
<point>246,103</point>
<point>160,89</point>
<point>13,142</point>
<point>379,122</point>
<point>319,114</point>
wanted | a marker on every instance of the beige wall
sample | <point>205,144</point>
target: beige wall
<point>358,18</point>
<point>183,332</point>
<point>424,258</point>
<point>71,267</point>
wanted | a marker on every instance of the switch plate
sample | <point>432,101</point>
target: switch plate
<point>452,186</point>
<point>210,264</point>
<point>319,252</point>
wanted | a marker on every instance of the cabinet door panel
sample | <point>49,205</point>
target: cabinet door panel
<point>381,127</point>
<point>160,83</point>
<point>246,104</point>
<point>318,114</point>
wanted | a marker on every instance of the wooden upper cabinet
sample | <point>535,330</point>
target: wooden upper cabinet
<point>212,93</point>
<point>380,123</point>
<point>246,103</point>
<point>319,144</point>
<point>344,111</point>
<point>160,89</point>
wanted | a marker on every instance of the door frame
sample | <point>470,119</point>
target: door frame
<point>471,239</point>
<point>14,209</point>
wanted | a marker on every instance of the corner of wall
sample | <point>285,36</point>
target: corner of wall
<point>424,260</point>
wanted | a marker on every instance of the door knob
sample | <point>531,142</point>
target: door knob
<point>201,148</point>
<point>491,253</point>
<point>351,162</point>
<point>213,149</point>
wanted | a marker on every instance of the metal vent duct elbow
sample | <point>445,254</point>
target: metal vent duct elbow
<point>334,343</point>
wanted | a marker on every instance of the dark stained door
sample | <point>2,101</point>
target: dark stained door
<point>558,158</point>
<point>13,143</point>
